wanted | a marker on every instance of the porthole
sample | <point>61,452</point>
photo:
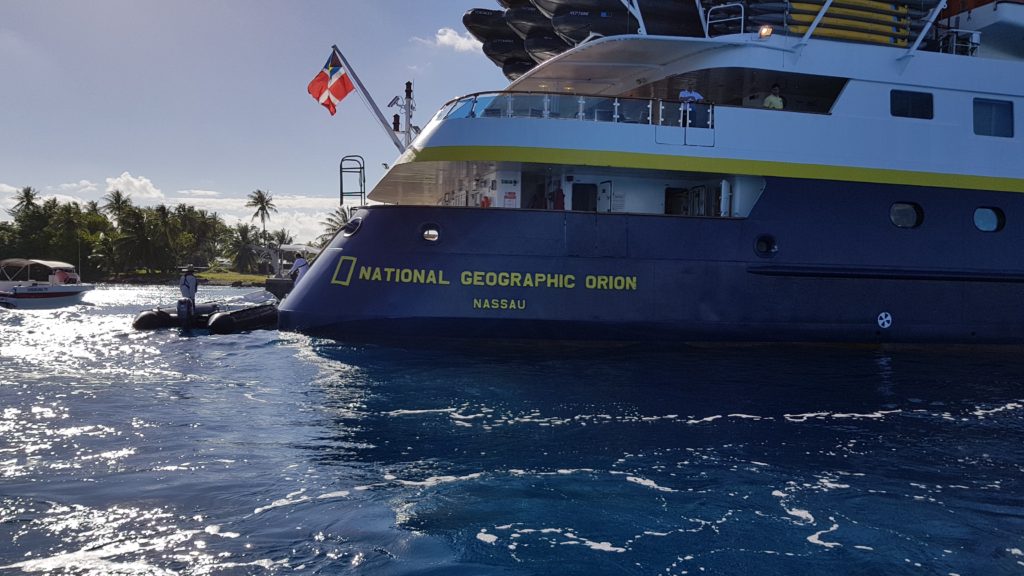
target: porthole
<point>906,215</point>
<point>989,219</point>
<point>431,232</point>
<point>765,246</point>
<point>351,227</point>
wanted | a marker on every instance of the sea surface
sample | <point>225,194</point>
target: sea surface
<point>160,453</point>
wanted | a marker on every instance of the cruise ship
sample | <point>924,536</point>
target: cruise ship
<point>875,197</point>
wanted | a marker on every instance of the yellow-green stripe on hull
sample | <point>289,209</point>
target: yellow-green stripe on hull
<point>727,165</point>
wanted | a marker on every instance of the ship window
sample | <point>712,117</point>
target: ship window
<point>989,219</point>
<point>907,104</point>
<point>351,227</point>
<point>765,246</point>
<point>906,215</point>
<point>993,118</point>
<point>431,232</point>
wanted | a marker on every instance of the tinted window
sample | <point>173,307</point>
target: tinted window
<point>906,215</point>
<point>989,219</point>
<point>911,104</point>
<point>993,118</point>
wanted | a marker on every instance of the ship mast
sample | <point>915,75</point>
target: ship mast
<point>369,101</point>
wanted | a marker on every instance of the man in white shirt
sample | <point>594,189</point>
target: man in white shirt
<point>688,96</point>
<point>298,269</point>
<point>774,101</point>
<point>189,284</point>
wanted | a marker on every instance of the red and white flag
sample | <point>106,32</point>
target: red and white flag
<point>331,84</point>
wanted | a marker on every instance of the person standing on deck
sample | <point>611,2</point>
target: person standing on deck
<point>298,269</point>
<point>189,284</point>
<point>688,96</point>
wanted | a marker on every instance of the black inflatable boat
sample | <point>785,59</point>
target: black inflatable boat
<point>237,315</point>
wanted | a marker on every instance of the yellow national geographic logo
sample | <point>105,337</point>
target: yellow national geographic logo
<point>343,272</point>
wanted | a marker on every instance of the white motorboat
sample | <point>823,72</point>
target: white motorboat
<point>28,283</point>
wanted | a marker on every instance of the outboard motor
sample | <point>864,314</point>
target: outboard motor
<point>185,312</point>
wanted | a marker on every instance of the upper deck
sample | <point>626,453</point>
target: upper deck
<point>854,112</point>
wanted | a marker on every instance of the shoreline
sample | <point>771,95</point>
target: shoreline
<point>172,280</point>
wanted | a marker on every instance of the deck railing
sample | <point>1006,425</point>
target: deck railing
<point>580,107</point>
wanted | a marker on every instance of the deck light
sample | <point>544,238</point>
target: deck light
<point>764,32</point>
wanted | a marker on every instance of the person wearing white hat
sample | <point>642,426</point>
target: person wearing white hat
<point>189,284</point>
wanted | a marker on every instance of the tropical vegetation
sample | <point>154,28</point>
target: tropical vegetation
<point>115,237</point>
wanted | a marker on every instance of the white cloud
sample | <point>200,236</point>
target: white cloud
<point>138,188</point>
<point>450,38</point>
<point>203,193</point>
<point>61,198</point>
<point>7,193</point>
<point>283,203</point>
<point>80,187</point>
<point>303,226</point>
<point>299,215</point>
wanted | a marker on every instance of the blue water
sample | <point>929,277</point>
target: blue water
<point>264,453</point>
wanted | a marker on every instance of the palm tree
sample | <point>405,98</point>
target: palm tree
<point>240,247</point>
<point>263,202</point>
<point>117,205</point>
<point>281,237</point>
<point>140,243</point>
<point>335,221</point>
<point>24,200</point>
<point>106,253</point>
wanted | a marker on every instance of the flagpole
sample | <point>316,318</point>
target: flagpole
<point>369,101</point>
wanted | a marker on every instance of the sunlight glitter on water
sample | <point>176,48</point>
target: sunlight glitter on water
<point>153,453</point>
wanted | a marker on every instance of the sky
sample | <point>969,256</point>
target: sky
<point>203,101</point>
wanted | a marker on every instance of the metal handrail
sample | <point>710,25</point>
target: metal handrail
<point>594,108</point>
<point>723,7</point>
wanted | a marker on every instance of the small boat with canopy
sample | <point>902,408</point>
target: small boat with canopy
<point>30,283</point>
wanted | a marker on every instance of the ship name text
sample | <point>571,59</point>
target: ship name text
<point>402,275</point>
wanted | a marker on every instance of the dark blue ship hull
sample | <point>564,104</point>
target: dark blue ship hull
<point>815,261</point>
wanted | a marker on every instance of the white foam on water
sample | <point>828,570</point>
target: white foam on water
<point>423,411</point>
<point>816,537</point>
<point>286,501</point>
<point>435,480</point>
<point>456,416</point>
<point>749,417</point>
<point>483,536</point>
<point>602,546</point>
<point>804,515</point>
<point>1015,551</point>
<point>829,484</point>
<point>704,420</point>
<point>338,494</point>
<point>805,417</point>
<point>89,562</point>
<point>648,483</point>
<point>981,412</point>
<point>215,530</point>
<point>867,548</point>
<point>872,415</point>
